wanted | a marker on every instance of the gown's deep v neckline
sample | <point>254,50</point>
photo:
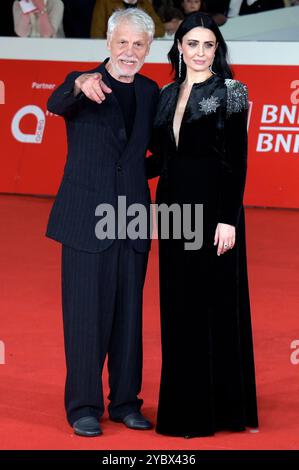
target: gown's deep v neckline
<point>177,138</point>
<point>177,141</point>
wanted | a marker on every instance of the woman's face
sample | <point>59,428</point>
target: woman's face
<point>198,48</point>
<point>190,6</point>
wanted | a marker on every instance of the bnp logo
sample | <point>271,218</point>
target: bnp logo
<point>2,92</point>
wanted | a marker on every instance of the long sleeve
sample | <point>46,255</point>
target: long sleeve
<point>22,23</point>
<point>234,171</point>
<point>62,101</point>
<point>55,16</point>
<point>47,25</point>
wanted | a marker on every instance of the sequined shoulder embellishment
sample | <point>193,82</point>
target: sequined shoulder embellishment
<point>237,96</point>
<point>209,105</point>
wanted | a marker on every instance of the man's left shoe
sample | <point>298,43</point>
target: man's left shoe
<point>88,426</point>
<point>135,421</point>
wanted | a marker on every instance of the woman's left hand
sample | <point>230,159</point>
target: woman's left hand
<point>225,237</point>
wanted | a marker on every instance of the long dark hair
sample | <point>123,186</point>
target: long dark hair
<point>220,64</point>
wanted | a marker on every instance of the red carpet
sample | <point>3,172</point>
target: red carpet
<point>32,378</point>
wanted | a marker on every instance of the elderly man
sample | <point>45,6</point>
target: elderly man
<point>102,279</point>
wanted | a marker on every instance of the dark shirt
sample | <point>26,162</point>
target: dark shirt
<point>125,95</point>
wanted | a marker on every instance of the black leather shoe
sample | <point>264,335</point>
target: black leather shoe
<point>88,426</point>
<point>135,421</point>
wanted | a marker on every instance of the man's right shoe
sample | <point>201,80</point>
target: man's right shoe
<point>88,426</point>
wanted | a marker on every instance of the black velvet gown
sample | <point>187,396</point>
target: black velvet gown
<point>208,378</point>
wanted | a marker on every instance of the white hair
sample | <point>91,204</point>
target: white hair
<point>141,20</point>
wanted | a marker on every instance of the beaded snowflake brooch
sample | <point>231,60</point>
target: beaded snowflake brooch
<point>209,105</point>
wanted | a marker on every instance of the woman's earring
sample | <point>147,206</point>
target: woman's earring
<point>180,64</point>
<point>211,69</point>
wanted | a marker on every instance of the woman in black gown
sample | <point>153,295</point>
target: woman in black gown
<point>200,150</point>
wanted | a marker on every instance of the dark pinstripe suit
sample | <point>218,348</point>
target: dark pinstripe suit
<point>102,280</point>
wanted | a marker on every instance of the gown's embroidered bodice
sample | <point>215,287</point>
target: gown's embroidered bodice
<point>203,127</point>
<point>210,161</point>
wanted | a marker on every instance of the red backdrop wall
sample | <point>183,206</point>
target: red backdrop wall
<point>33,144</point>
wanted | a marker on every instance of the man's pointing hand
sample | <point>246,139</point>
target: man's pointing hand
<point>92,85</point>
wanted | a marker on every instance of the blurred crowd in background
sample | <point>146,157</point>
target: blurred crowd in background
<point>88,18</point>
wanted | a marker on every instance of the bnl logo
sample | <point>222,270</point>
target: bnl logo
<point>2,92</point>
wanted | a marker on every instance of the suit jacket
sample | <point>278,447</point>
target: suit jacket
<point>102,163</point>
<point>104,8</point>
<point>261,5</point>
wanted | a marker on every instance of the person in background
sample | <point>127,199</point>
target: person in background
<point>77,18</point>
<point>45,22</point>
<point>191,6</point>
<point>247,7</point>
<point>6,19</point>
<point>104,8</point>
<point>171,18</point>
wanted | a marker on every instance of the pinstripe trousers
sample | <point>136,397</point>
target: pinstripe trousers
<point>102,315</point>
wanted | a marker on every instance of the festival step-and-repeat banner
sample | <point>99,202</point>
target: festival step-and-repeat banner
<point>33,142</point>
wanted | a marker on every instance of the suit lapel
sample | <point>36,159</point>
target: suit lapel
<point>114,116</point>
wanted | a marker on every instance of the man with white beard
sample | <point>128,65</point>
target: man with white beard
<point>108,124</point>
